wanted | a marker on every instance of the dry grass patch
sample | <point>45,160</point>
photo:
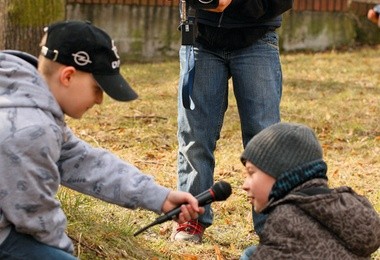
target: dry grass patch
<point>336,93</point>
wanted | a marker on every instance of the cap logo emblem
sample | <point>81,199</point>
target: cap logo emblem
<point>114,49</point>
<point>81,58</point>
<point>115,64</point>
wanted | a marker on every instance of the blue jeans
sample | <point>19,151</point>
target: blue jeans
<point>19,246</point>
<point>247,253</point>
<point>257,84</point>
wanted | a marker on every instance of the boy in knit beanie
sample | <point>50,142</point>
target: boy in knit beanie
<point>286,179</point>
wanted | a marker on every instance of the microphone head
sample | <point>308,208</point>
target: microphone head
<point>222,190</point>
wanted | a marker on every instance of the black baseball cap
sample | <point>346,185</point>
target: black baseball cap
<point>88,48</point>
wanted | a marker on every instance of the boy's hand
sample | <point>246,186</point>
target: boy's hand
<point>189,205</point>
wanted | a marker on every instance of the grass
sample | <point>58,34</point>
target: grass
<point>337,93</point>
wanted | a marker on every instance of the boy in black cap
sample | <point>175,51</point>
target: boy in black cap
<point>38,152</point>
<point>286,179</point>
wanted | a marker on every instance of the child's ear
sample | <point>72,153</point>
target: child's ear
<point>66,75</point>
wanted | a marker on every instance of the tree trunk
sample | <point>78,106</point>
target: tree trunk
<point>3,22</point>
<point>23,22</point>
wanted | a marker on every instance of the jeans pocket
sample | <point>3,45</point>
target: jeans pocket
<point>271,39</point>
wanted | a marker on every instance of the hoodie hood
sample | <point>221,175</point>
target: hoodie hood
<point>22,86</point>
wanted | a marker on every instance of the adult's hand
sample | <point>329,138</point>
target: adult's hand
<point>223,4</point>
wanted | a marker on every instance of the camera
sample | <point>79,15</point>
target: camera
<point>203,4</point>
<point>187,26</point>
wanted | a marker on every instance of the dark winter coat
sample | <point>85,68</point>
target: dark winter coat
<point>334,225</point>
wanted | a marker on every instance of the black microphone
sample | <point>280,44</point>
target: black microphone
<point>218,192</point>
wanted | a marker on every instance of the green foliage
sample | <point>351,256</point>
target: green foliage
<point>36,12</point>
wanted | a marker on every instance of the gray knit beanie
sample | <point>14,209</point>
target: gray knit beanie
<point>282,147</point>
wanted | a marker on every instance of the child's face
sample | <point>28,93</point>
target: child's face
<point>81,94</point>
<point>258,185</point>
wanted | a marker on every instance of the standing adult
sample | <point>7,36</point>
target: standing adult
<point>235,40</point>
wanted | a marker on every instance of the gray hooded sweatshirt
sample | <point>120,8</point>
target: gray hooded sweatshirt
<point>38,152</point>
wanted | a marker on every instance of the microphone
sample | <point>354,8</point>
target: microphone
<point>218,192</point>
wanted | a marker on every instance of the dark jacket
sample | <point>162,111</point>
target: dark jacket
<point>240,14</point>
<point>242,23</point>
<point>336,225</point>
